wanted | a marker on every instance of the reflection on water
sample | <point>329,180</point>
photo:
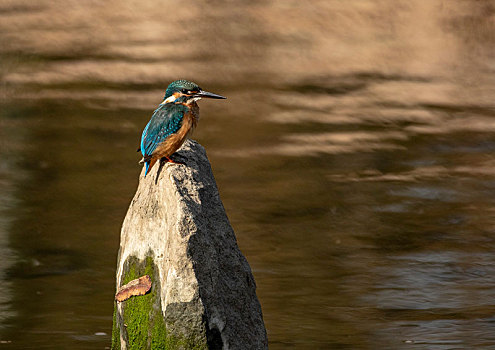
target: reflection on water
<point>7,207</point>
<point>354,156</point>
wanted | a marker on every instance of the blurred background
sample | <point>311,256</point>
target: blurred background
<point>355,156</point>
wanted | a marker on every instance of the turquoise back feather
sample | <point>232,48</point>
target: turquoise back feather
<point>166,120</point>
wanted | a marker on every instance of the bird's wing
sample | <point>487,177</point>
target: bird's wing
<point>166,120</point>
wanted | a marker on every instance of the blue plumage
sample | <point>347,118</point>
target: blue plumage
<point>166,121</point>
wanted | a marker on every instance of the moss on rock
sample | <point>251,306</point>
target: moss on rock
<point>115,330</point>
<point>141,321</point>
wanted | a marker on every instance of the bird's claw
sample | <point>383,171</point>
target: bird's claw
<point>170,160</point>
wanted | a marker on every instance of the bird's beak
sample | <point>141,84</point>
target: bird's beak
<point>207,94</point>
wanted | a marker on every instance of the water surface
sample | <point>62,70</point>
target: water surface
<point>354,155</point>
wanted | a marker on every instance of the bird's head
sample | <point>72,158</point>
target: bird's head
<point>186,92</point>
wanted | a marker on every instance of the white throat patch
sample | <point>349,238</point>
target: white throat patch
<point>169,99</point>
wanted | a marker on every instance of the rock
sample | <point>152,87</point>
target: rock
<point>203,294</point>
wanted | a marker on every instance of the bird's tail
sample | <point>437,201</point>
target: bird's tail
<point>148,164</point>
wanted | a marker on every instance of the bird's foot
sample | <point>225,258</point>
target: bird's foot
<point>170,160</point>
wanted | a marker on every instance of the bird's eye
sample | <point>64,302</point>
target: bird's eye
<point>184,91</point>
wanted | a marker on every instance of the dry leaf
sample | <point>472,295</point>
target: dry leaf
<point>139,286</point>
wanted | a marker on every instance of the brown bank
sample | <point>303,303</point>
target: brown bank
<point>203,294</point>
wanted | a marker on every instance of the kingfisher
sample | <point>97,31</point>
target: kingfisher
<point>171,123</point>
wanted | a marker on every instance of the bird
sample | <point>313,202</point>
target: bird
<point>172,122</point>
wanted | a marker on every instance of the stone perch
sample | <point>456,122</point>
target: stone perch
<point>203,294</point>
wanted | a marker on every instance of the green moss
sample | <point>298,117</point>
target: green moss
<point>144,324</point>
<point>115,330</point>
<point>159,335</point>
<point>137,317</point>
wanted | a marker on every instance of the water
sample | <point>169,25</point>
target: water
<point>354,155</point>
